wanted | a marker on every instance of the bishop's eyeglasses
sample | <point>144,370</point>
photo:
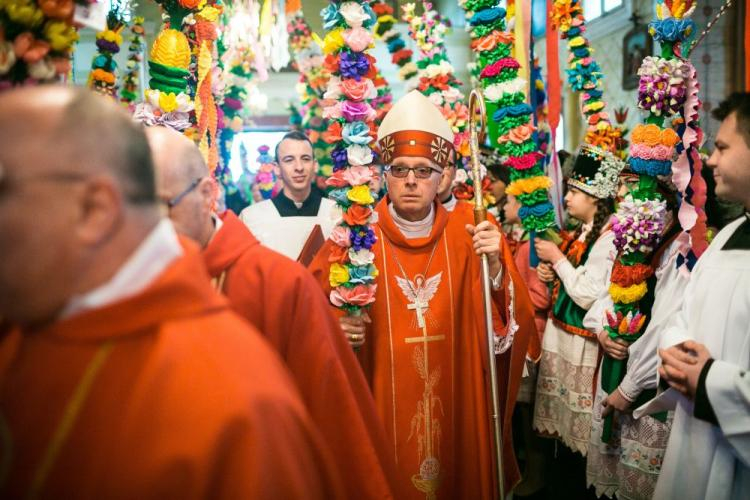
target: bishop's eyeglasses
<point>402,172</point>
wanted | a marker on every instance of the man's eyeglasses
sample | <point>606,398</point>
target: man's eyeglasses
<point>402,172</point>
<point>171,203</point>
<point>46,177</point>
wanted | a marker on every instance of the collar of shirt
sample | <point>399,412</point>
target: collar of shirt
<point>740,239</point>
<point>415,229</point>
<point>309,207</point>
<point>450,204</point>
<point>160,248</point>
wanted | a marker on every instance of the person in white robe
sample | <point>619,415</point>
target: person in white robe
<point>705,351</point>
<point>286,222</point>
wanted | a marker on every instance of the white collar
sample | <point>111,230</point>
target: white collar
<point>416,229</point>
<point>145,264</point>
<point>450,204</point>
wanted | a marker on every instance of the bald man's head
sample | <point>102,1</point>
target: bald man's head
<point>183,183</point>
<point>175,154</point>
<point>77,196</point>
<point>78,128</point>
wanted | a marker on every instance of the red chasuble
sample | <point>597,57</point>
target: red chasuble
<point>168,394</point>
<point>425,358</point>
<point>282,299</point>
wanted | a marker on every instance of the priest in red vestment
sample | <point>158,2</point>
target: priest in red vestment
<point>282,299</point>
<point>424,349</point>
<point>125,374</point>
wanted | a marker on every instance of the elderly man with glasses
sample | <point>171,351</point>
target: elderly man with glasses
<point>422,345</point>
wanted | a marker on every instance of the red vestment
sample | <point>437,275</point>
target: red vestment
<point>166,394</point>
<point>282,299</point>
<point>425,357</point>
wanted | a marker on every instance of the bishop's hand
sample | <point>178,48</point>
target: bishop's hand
<point>355,327</point>
<point>486,237</point>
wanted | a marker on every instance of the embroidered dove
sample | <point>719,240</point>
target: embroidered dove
<point>419,292</point>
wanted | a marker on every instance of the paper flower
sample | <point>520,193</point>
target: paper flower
<point>338,275</point>
<point>357,132</point>
<point>358,90</point>
<point>360,295</point>
<point>357,39</point>
<point>355,14</point>
<point>359,154</point>
<point>341,236</point>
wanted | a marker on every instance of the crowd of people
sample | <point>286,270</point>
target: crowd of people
<point>155,345</point>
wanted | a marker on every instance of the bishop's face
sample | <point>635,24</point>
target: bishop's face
<point>413,193</point>
<point>730,163</point>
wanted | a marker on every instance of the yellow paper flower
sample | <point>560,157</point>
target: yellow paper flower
<point>25,13</point>
<point>333,41</point>
<point>577,41</point>
<point>627,295</point>
<point>167,101</point>
<point>61,35</point>
<point>110,36</point>
<point>361,194</point>
<point>339,275</point>
<point>210,13</point>
<point>526,186</point>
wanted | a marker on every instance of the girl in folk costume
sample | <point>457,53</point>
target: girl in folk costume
<point>579,270</point>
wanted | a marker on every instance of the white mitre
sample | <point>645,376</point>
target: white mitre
<point>415,127</point>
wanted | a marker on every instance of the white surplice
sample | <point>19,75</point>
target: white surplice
<point>705,461</point>
<point>286,235</point>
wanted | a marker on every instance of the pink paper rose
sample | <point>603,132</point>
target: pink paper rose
<point>360,295</point>
<point>357,175</point>
<point>358,39</point>
<point>341,236</point>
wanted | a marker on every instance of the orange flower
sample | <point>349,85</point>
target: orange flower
<point>486,43</point>
<point>57,9</point>
<point>29,49</point>
<point>339,254</point>
<point>189,4</point>
<point>103,76</point>
<point>648,134</point>
<point>333,133</point>
<point>669,137</point>
<point>357,215</point>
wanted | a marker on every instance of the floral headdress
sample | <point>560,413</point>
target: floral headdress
<point>596,172</point>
